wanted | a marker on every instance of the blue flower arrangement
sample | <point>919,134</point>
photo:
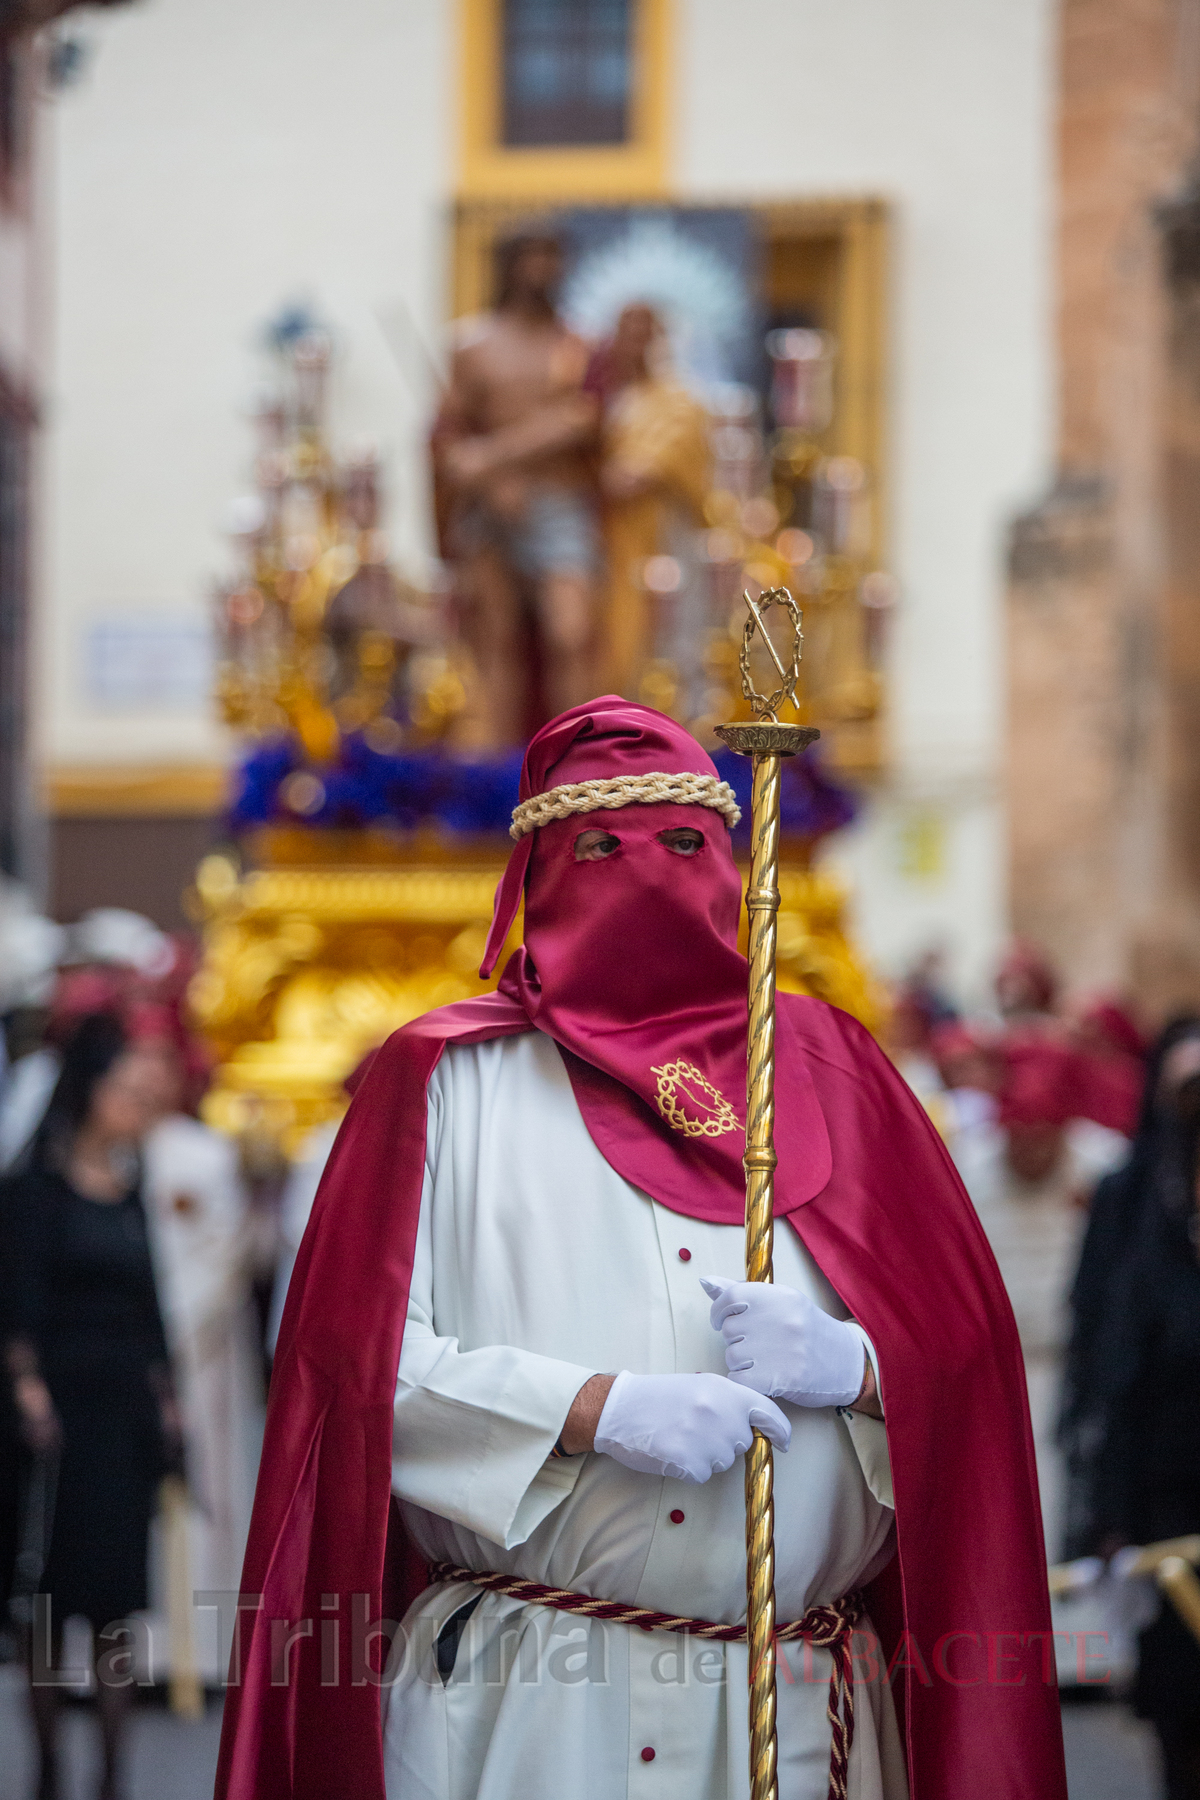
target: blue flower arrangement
<point>366,787</point>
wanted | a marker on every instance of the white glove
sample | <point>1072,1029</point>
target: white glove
<point>686,1426</point>
<point>779,1342</point>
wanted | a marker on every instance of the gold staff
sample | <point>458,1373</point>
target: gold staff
<point>767,742</point>
<point>186,1690</point>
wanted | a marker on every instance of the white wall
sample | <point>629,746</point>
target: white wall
<point>216,161</point>
<point>220,158</point>
<point>947,110</point>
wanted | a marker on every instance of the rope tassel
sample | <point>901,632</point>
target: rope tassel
<point>841,1715</point>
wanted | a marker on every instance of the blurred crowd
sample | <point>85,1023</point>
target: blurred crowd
<point>130,1340</point>
<point>1077,1137</point>
<point>145,1262</point>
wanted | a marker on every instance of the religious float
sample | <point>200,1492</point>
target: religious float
<point>367,827</point>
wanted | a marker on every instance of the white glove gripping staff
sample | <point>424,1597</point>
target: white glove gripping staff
<point>779,1342</point>
<point>685,1426</point>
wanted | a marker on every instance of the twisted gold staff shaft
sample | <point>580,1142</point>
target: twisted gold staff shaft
<point>762,903</point>
<point>767,743</point>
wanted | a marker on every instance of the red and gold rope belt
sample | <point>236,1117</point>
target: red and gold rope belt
<point>824,1627</point>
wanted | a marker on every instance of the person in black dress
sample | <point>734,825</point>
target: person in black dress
<point>1131,1417</point>
<point>87,1360</point>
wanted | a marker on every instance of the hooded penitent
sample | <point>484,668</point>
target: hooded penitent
<point>630,964</point>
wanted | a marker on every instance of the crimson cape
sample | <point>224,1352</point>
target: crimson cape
<point>963,1609</point>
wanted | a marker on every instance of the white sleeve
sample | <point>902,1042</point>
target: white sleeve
<point>473,1430</point>
<point>869,1436</point>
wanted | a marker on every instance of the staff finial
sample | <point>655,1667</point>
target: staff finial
<point>765,735</point>
<point>767,705</point>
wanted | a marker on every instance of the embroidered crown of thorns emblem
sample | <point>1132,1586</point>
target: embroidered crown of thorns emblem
<point>691,1104</point>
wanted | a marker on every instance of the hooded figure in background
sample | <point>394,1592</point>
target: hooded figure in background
<point>1131,1416</point>
<point>518,1312</point>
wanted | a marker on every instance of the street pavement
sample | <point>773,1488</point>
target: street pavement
<point>171,1759</point>
<point>1110,1754</point>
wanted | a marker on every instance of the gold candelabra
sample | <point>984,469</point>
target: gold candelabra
<point>766,741</point>
<point>318,636</point>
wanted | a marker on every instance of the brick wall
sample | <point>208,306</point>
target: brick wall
<point>1103,614</point>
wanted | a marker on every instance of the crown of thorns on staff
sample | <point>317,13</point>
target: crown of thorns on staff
<point>625,790</point>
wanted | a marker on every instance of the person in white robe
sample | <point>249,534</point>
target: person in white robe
<point>196,1208</point>
<point>1035,1228</point>
<point>524,1267</point>
<point>517,1698</point>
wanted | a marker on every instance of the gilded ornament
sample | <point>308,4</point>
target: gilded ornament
<point>681,1086</point>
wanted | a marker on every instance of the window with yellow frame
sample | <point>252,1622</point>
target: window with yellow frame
<point>560,100</point>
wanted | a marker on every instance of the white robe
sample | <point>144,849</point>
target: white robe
<point>537,1266</point>
<point>196,1210</point>
<point>1035,1230</point>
